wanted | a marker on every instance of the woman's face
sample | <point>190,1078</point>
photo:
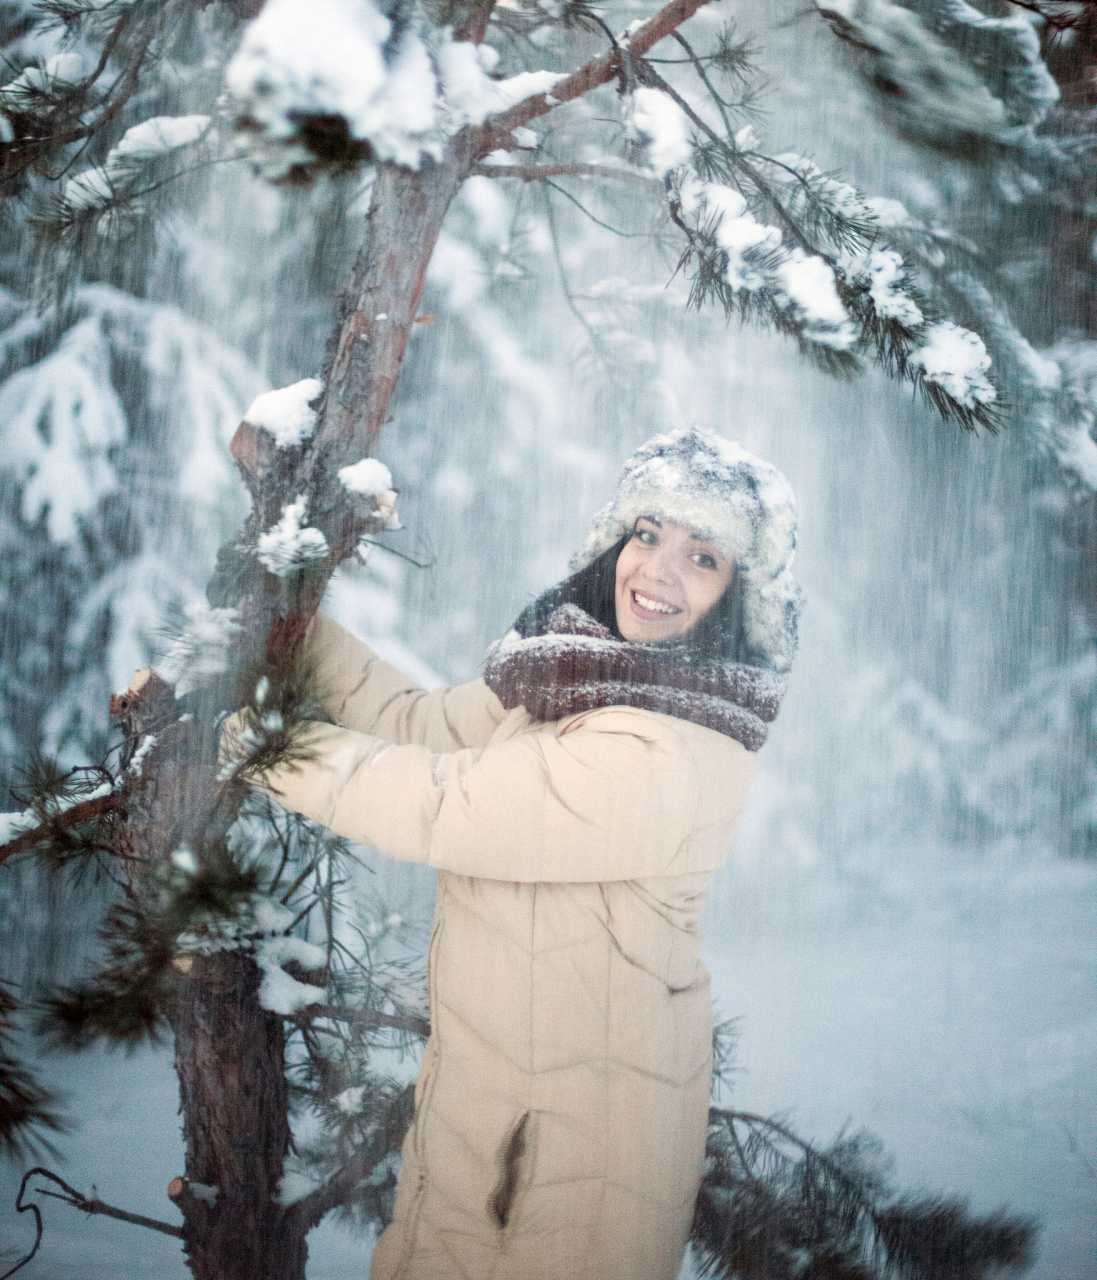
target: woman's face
<point>668,578</point>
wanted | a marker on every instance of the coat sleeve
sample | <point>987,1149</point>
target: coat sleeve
<point>614,797</point>
<point>361,691</point>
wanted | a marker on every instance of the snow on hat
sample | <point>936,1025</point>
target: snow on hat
<point>744,505</point>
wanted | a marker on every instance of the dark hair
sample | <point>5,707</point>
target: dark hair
<point>717,637</point>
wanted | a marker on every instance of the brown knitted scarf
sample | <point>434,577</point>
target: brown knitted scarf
<point>577,665</point>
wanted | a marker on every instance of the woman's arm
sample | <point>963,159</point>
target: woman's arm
<point>617,796</point>
<point>361,691</point>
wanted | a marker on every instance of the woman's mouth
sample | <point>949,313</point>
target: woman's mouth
<point>651,607</point>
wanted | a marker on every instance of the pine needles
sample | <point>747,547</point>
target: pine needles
<point>27,1109</point>
<point>773,1207</point>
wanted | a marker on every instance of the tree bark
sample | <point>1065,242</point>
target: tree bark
<point>229,1057</point>
<point>229,1051</point>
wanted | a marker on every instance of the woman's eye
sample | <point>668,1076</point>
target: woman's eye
<point>646,536</point>
<point>705,561</point>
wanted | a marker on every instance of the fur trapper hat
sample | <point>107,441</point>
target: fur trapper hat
<point>745,505</point>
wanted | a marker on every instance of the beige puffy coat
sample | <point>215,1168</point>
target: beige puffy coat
<point>562,1100</point>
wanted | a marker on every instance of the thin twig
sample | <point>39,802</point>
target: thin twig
<point>625,235</point>
<point>541,172</point>
<point>568,298</point>
<point>93,1206</point>
<point>720,103</point>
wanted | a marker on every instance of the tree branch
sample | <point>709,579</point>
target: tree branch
<point>399,1022</point>
<point>540,172</point>
<point>93,1206</point>
<point>306,1213</point>
<point>66,819</point>
<point>744,166</point>
<point>495,133</point>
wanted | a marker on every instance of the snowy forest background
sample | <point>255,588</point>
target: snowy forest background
<point>905,924</point>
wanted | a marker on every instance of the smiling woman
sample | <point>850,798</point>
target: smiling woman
<point>668,578</point>
<point>576,803</point>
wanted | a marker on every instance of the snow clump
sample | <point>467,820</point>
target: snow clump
<point>956,360</point>
<point>884,270</point>
<point>349,1101</point>
<point>831,191</point>
<point>402,91</point>
<point>278,992</point>
<point>285,414</point>
<point>889,213</point>
<point>370,478</point>
<point>184,860</point>
<point>137,764</point>
<point>802,282</point>
<point>288,546</point>
<point>155,137</point>
<point>13,825</point>
<point>736,232</point>
<point>807,286</point>
<point>203,648</point>
<point>664,122</point>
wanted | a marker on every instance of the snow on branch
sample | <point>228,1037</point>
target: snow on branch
<point>335,84</point>
<point>775,239</point>
<point>202,648</point>
<point>290,545</point>
<point>287,414</point>
<point>110,197</point>
<point>948,72</point>
<point>370,478</point>
<point>956,360</point>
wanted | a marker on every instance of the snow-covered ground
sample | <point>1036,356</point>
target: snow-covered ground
<point>943,1000</point>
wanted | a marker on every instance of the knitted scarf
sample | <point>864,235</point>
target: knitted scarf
<point>576,664</point>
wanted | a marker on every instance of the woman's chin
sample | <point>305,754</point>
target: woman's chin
<point>645,631</point>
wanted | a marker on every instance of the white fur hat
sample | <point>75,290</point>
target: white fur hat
<point>745,505</point>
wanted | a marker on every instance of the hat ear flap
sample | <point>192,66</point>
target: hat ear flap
<point>771,616</point>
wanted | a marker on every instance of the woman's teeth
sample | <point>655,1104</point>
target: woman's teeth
<point>654,605</point>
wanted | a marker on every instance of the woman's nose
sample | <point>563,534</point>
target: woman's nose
<point>661,565</point>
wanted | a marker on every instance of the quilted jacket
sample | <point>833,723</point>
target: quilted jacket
<point>562,1099</point>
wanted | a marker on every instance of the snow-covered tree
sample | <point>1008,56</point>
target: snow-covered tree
<point>229,927</point>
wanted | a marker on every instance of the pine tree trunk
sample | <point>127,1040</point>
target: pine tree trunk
<point>229,1057</point>
<point>229,1051</point>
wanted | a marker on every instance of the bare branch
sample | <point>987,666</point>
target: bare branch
<point>495,133</point>
<point>540,172</point>
<point>64,821</point>
<point>93,1206</point>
